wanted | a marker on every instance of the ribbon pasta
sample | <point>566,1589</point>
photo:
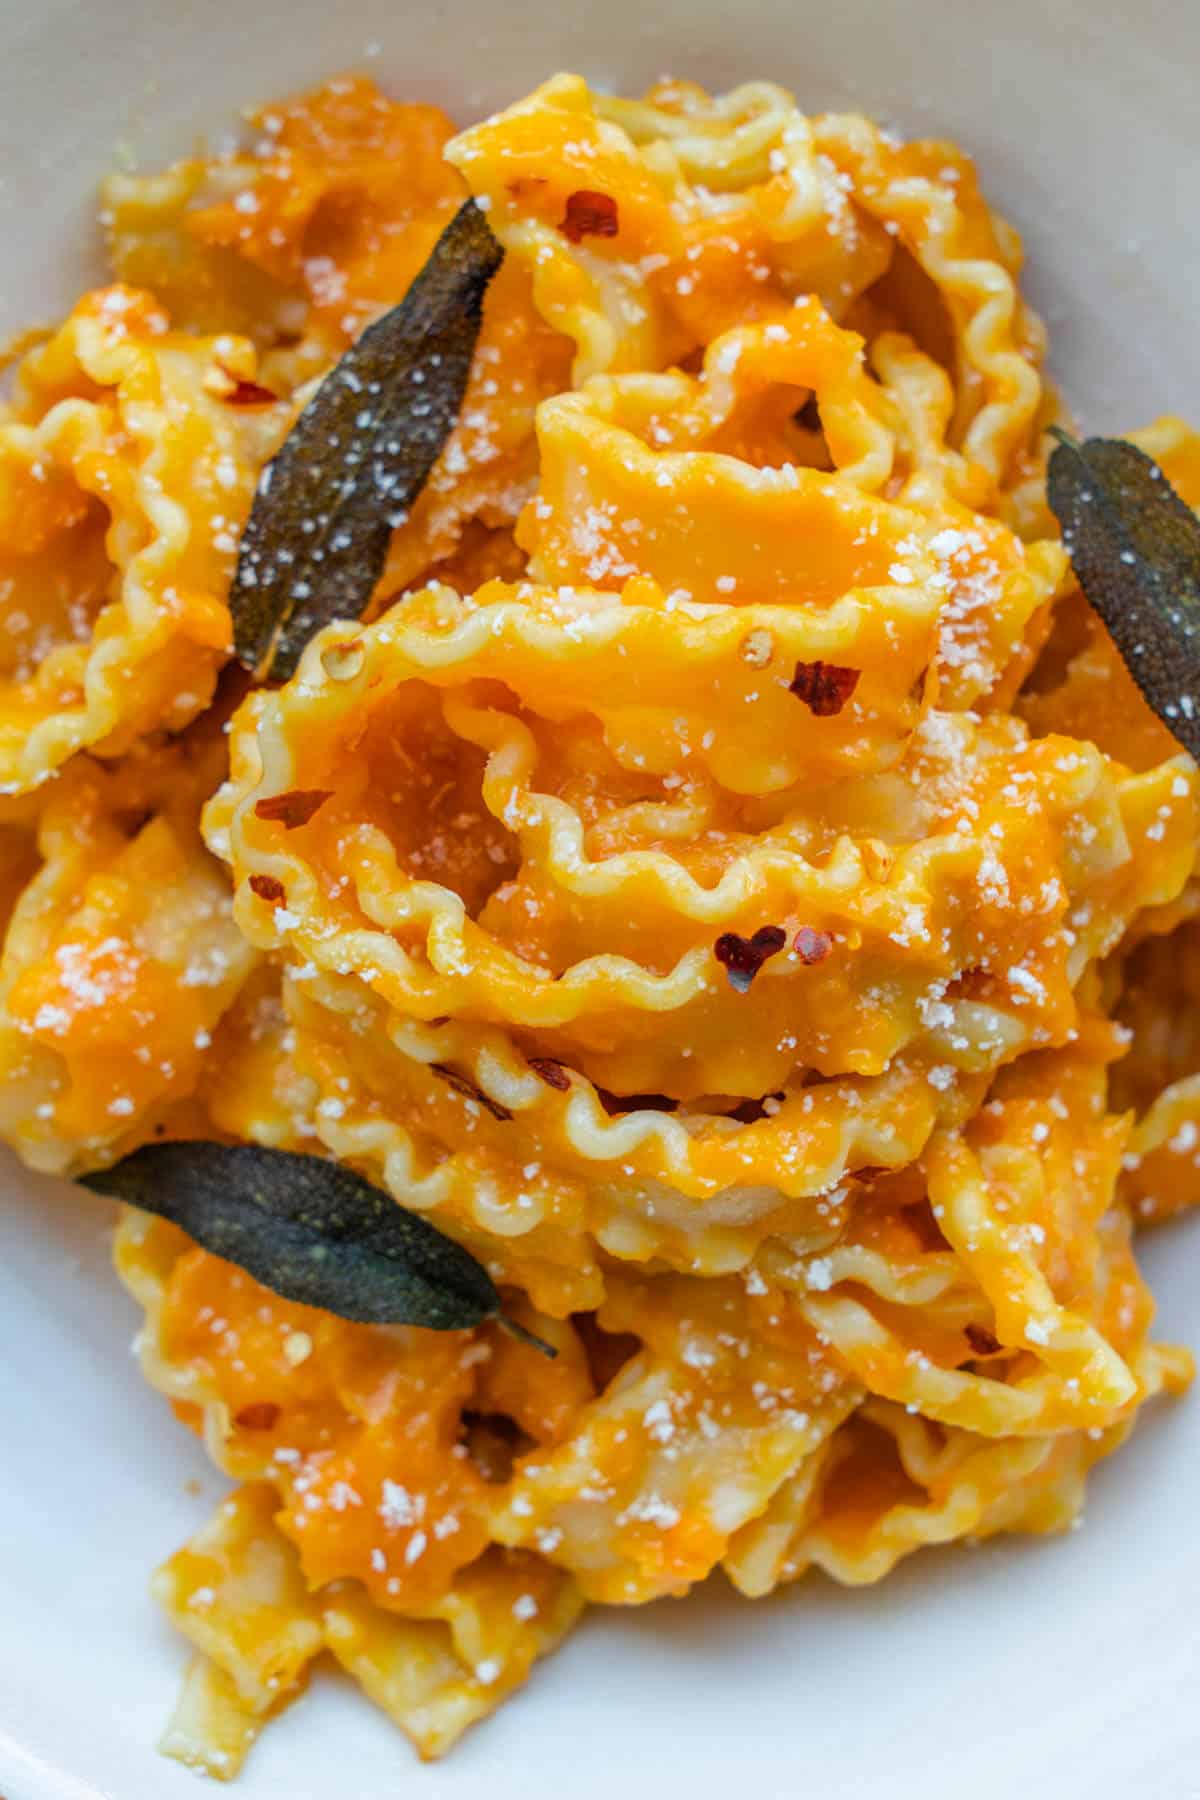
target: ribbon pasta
<point>732,607</point>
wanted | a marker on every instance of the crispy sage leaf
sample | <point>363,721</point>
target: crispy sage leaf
<point>1135,547</point>
<point>359,454</point>
<point>310,1230</point>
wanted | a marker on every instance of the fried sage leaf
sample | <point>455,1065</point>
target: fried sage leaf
<point>310,1230</point>
<point>1135,547</point>
<point>359,454</point>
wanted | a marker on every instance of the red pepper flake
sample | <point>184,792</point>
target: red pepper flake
<point>823,687</point>
<point>469,1091</point>
<point>293,808</point>
<point>589,214</point>
<point>812,946</point>
<point>744,957</point>
<point>249,393</point>
<point>267,888</point>
<point>552,1073</point>
<point>262,1415</point>
<point>981,1340</point>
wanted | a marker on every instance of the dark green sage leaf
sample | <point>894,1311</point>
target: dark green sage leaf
<point>310,1230</point>
<point>1135,547</point>
<point>316,540</point>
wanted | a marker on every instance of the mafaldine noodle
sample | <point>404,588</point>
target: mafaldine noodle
<point>724,878</point>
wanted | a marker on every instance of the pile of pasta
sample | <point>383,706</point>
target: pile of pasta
<point>733,604</point>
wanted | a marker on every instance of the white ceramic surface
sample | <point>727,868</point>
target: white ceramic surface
<point>1064,1668</point>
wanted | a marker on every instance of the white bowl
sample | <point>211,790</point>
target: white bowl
<point>1062,1667</point>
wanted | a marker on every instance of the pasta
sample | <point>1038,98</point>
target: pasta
<point>727,880</point>
<point>128,477</point>
<point>120,960</point>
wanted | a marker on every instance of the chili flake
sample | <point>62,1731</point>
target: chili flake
<point>742,958</point>
<point>294,808</point>
<point>269,889</point>
<point>468,1089</point>
<point>552,1073</point>
<point>589,214</point>
<point>823,687</point>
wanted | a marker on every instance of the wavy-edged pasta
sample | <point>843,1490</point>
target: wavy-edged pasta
<point>236,1591</point>
<point>588,890</point>
<point>727,880</point>
<point>300,238</point>
<point>120,960</point>
<point>127,474</point>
